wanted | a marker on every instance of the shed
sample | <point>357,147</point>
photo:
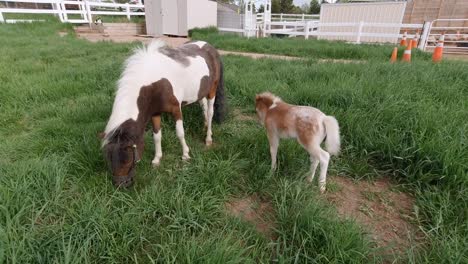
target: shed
<point>176,17</point>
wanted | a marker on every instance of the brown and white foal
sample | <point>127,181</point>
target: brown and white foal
<point>307,124</point>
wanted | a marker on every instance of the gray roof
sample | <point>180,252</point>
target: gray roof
<point>227,7</point>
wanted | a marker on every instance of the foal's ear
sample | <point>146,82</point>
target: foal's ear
<point>101,135</point>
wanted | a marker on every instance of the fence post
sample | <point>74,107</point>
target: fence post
<point>88,13</point>
<point>63,10</point>
<point>2,20</point>
<point>127,6</point>
<point>307,29</point>
<point>425,35</point>
<point>281,17</point>
<point>302,17</point>
<point>359,32</point>
<point>58,6</point>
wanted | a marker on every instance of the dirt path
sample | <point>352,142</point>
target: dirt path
<point>175,42</point>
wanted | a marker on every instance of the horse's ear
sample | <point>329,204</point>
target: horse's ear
<point>101,135</point>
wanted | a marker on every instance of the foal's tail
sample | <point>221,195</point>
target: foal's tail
<point>220,99</point>
<point>333,135</point>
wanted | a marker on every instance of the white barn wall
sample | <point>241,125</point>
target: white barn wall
<point>386,12</point>
<point>201,13</point>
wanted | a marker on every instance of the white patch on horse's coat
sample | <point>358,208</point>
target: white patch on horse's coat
<point>198,43</point>
<point>146,66</point>
<point>181,135</point>
<point>157,148</point>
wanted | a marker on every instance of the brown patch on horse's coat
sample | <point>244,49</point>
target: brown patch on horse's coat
<point>158,98</point>
<point>255,211</point>
<point>384,212</point>
<point>156,120</point>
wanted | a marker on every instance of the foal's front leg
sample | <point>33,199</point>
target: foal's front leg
<point>180,133</point>
<point>157,135</point>
<point>273,139</point>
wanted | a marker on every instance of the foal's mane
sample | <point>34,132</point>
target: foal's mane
<point>269,96</point>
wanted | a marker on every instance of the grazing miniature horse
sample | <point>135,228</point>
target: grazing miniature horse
<point>158,79</point>
<point>309,125</point>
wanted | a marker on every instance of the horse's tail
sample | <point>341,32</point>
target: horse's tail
<point>220,99</point>
<point>333,135</point>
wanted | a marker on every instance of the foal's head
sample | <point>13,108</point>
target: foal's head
<point>122,152</point>
<point>263,102</point>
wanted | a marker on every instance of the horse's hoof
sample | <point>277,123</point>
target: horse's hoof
<point>185,157</point>
<point>322,189</point>
<point>156,163</point>
<point>209,143</point>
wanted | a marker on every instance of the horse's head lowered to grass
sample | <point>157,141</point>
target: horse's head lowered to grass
<point>158,79</point>
<point>123,149</point>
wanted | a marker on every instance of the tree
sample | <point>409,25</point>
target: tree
<point>286,6</point>
<point>305,8</point>
<point>261,9</point>
<point>275,6</point>
<point>314,7</point>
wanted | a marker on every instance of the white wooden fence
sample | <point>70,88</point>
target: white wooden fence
<point>456,36</point>
<point>82,12</point>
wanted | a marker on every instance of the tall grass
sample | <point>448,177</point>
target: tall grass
<point>57,203</point>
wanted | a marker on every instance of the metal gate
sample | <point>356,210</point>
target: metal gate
<point>456,35</point>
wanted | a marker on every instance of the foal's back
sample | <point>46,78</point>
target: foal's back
<point>291,120</point>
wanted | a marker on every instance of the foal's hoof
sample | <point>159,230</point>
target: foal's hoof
<point>209,143</point>
<point>185,157</point>
<point>155,163</point>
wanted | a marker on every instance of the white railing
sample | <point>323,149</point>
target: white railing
<point>293,17</point>
<point>355,30</point>
<point>85,10</point>
<point>456,36</point>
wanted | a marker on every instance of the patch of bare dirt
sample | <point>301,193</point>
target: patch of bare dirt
<point>255,211</point>
<point>385,213</point>
<point>239,115</point>
<point>63,33</point>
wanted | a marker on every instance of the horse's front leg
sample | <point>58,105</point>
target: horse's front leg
<point>209,120</point>
<point>157,136</point>
<point>180,133</point>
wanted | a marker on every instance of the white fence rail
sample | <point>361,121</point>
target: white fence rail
<point>83,10</point>
<point>456,35</point>
<point>356,30</point>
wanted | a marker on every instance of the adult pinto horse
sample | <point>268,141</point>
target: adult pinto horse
<point>158,79</point>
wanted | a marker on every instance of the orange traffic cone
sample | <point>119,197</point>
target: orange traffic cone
<point>407,54</point>
<point>394,56</point>
<point>403,42</point>
<point>414,41</point>
<point>439,49</point>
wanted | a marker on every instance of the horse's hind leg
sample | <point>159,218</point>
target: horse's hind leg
<point>209,119</point>
<point>177,113</point>
<point>204,105</point>
<point>157,140</point>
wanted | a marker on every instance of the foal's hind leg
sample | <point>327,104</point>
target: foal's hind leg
<point>157,140</point>
<point>317,155</point>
